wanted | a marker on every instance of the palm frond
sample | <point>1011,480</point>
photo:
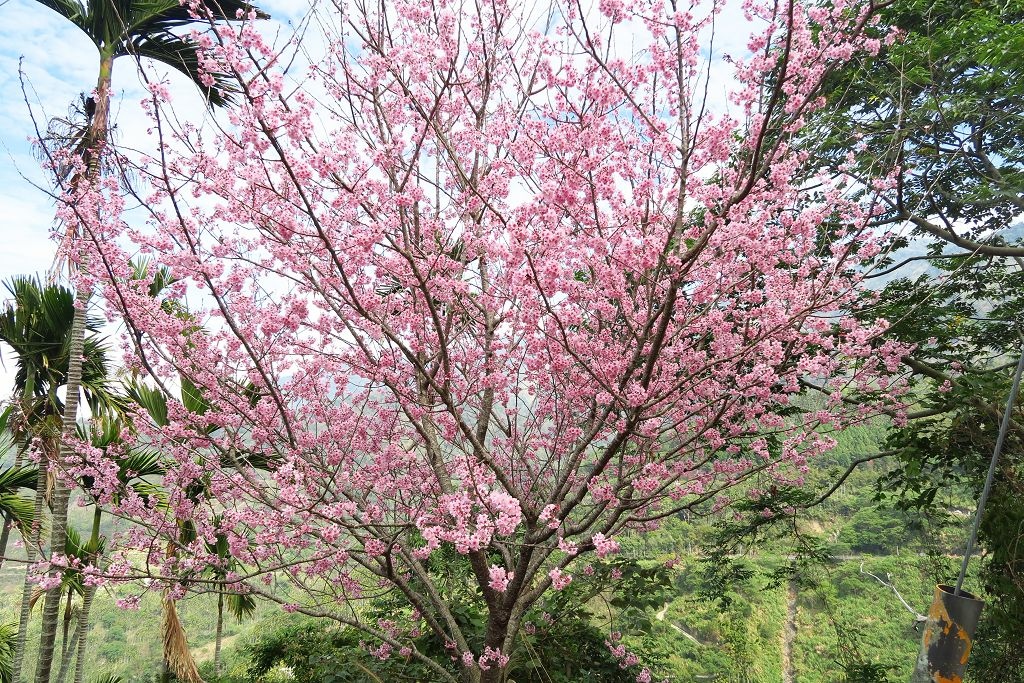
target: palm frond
<point>72,10</point>
<point>240,605</point>
<point>150,16</point>
<point>14,428</point>
<point>18,509</point>
<point>147,490</point>
<point>8,641</point>
<point>176,651</point>
<point>182,55</point>
<point>66,141</point>
<point>151,400</point>
<point>102,432</point>
<point>152,29</point>
<point>257,461</point>
<point>74,546</point>
<point>139,463</point>
<point>36,324</point>
<point>108,678</point>
<point>37,594</point>
<point>162,278</point>
<point>192,397</point>
<point>14,478</point>
<point>8,439</point>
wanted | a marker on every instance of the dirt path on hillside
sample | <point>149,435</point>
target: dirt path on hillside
<point>660,616</point>
<point>789,635</point>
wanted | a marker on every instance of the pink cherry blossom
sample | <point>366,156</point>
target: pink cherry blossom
<point>559,579</point>
<point>472,287</point>
<point>500,578</point>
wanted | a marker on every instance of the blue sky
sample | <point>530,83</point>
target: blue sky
<point>58,62</point>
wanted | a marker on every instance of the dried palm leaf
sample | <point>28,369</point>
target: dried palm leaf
<point>176,651</point>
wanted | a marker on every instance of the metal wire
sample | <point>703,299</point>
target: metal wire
<point>1003,428</point>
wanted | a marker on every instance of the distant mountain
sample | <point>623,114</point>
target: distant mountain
<point>919,247</point>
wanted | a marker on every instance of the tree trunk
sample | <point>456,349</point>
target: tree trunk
<point>220,633</point>
<point>493,675</point>
<point>65,666</point>
<point>31,551</point>
<point>83,633</point>
<point>65,644</point>
<point>58,532</point>
<point>88,593</point>
<point>494,637</point>
<point>5,536</point>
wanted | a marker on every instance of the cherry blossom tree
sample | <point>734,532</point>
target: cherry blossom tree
<point>483,288</point>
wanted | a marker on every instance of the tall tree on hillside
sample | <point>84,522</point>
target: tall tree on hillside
<point>938,112</point>
<point>136,468</point>
<point>36,324</point>
<point>141,29</point>
<point>504,291</point>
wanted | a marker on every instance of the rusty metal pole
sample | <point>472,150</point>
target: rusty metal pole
<point>948,637</point>
<point>953,617</point>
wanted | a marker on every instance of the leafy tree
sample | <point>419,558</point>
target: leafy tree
<point>952,453</point>
<point>507,296</point>
<point>36,324</point>
<point>937,110</point>
<point>139,29</point>
<point>876,529</point>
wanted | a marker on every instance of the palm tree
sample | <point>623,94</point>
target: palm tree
<point>135,467</point>
<point>71,585</point>
<point>117,28</point>
<point>177,657</point>
<point>36,323</point>
<point>8,636</point>
<point>239,605</point>
<point>15,508</point>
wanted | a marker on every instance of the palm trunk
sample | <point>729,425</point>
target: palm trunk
<point>58,532</point>
<point>65,645</point>
<point>65,666</point>
<point>88,593</point>
<point>31,549</point>
<point>220,632</point>
<point>51,608</point>
<point>5,536</point>
<point>82,632</point>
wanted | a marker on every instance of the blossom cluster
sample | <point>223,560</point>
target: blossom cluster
<point>480,287</point>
